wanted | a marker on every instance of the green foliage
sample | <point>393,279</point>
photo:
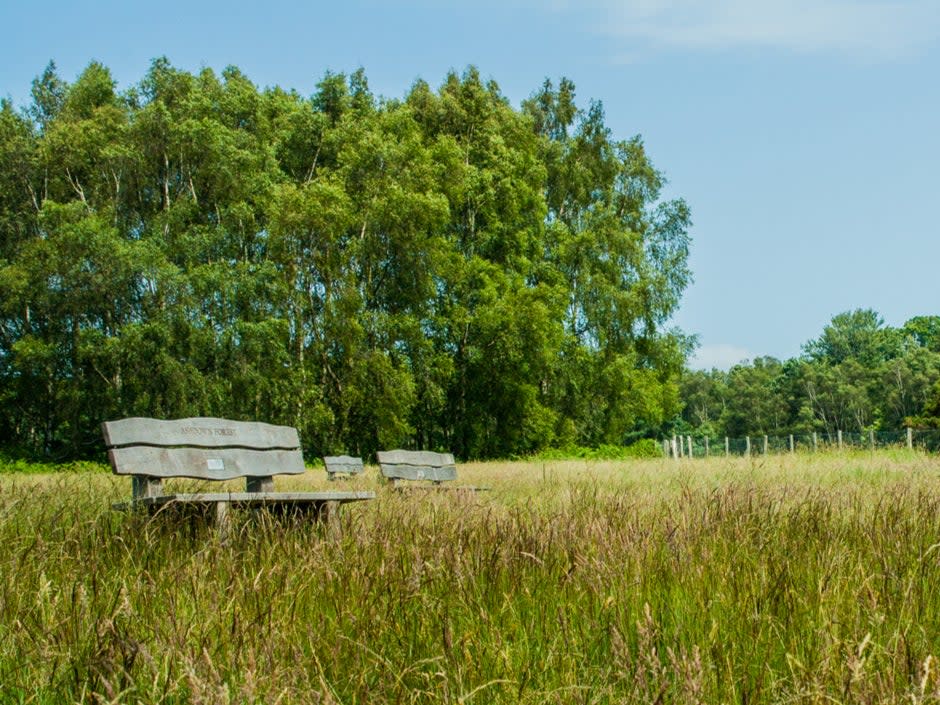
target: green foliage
<point>858,375</point>
<point>24,466</point>
<point>644,448</point>
<point>925,331</point>
<point>855,335</point>
<point>442,271</point>
<point>930,415</point>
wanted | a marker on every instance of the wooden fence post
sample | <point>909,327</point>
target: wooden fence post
<point>727,447</point>
<point>910,438</point>
<point>815,442</point>
<point>871,438</point>
<point>765,444</point>
<point>691,454</point>
<point>748,445</point>
<point>792,447</point>
<point>706,446</point>
<point>839,436</point>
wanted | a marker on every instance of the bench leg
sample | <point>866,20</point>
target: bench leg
<point>259,484</point>
<point>223,520</point>
<point>329,515</point>
<point>146,486</point>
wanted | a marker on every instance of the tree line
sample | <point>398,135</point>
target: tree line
<point>442,270</point>
<point>858,375</point>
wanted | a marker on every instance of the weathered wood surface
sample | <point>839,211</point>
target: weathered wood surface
<point>398,484</point>
<point>342,464</point>
<point>417,465</point>
<point>252,499</point>
<point>205,463</point>
<point>259,484</point>
<point>142,486</point>
<point>200,433</point>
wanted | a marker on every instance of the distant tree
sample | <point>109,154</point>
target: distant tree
<point>841,396</point>
<point>48,92</point>
<point>905,386</point>
<point>704,394</point>
<point>857,335</point>
<point>751,405</point>
<point>924,331</point>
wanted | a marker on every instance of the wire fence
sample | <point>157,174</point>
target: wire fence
<point>692,446</point>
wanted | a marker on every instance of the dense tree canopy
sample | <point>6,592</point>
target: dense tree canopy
<point>858,375</point>
<point>441,270</point>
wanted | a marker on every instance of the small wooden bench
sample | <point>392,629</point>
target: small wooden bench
<point>151,450</point>
<point>341,466</point>
<point>436,468</point>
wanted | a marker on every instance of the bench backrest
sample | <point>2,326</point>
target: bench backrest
<point>417,465</point>
<point>342,464</point>
<point>202,448</point>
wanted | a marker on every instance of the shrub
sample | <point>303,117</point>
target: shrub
<point>643,448</point>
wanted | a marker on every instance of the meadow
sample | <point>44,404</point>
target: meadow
<point>798,579</point>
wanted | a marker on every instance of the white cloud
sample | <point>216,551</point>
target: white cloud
<point>867,29</point>
<point>722,356</point>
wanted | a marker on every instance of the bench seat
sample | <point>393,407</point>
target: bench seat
<point>251,499</point>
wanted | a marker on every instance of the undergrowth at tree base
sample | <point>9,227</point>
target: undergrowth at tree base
<point>15,465</point>
<point>644,448</point>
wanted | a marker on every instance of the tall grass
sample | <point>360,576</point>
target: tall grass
<point>790,580</point>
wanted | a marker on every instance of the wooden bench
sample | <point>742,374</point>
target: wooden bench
<point>341,466</point>
<point>151,450</point>
<point>417,465</point>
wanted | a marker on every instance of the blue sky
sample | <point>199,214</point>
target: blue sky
<point>805,134</point>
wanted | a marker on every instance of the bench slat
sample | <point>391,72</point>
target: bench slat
<point>199,432</point>
<point>417,465</point>
<point>415,457</point>
<point>250,499</point>
<point>342,463</point>
<point>205,463</point>
<point>259,497</point>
